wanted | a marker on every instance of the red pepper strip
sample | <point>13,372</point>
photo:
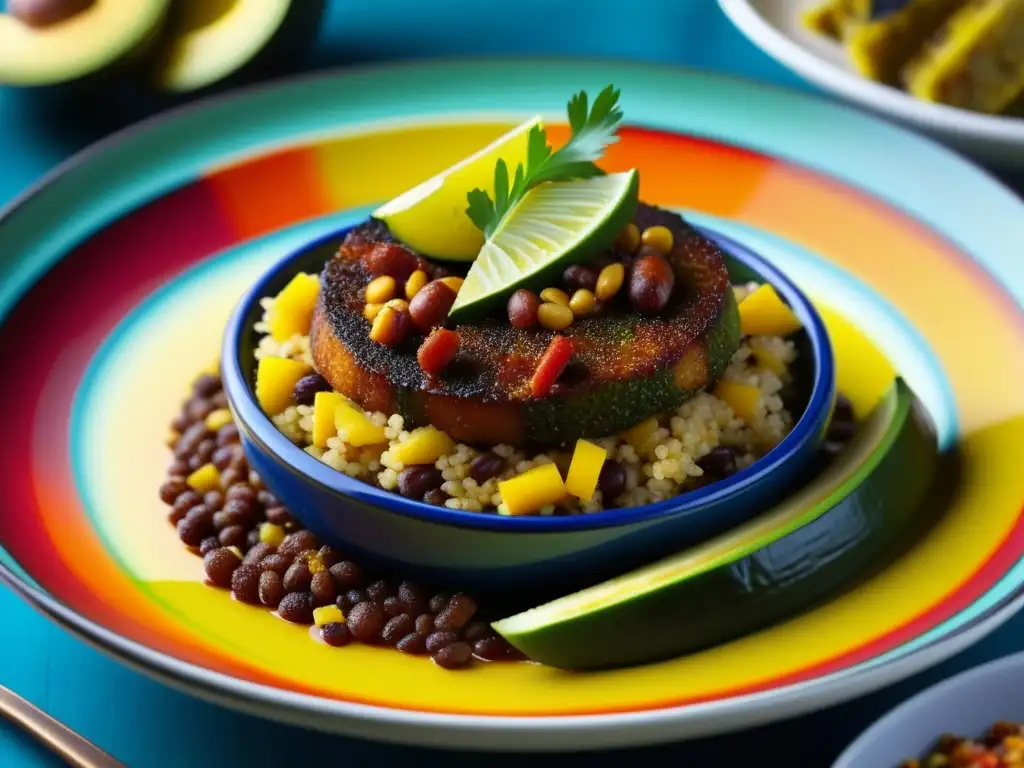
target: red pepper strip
<point>551,364</point>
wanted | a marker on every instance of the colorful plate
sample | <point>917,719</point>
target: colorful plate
<point>117,273</point>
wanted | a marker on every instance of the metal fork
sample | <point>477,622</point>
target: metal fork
<point>53,734</point>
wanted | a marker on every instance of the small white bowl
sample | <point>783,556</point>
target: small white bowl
<point>775,27</point>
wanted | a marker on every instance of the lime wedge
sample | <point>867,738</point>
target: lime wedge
<point>431,217</point>
<point>554,225</point>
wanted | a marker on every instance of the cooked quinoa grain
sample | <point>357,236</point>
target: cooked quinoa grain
<point>669,457</point>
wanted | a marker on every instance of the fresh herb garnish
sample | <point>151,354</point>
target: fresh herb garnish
<point>592,131</point>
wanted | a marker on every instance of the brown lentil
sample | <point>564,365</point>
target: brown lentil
<point>365,620</point>
<point>245,583</point>
<point>453,656</point>
<point>219,565</point>
<point>609,281</point>
<point>322,587</point>
<point>296,607</point>
<point>346,574</point>
<point>335,634</point>
<point>271,589</point>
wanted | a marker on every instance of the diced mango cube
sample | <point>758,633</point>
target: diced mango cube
<point>204,479</point>
<point>355,427</point>
<point>769,359</point>
<point>587,460</point>
<point>217,419</point>
<point>763,313</point>
<point>531,490</point>
<point>327,614</point>
<point>425,445</point>
<point>742,398</point>
<point>638,436</point>
<point>325,405</point>
<point>292,310</point>
<point>271,534</point>
<point>275,382</point>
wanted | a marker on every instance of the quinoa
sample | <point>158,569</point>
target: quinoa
<point>661,458</point>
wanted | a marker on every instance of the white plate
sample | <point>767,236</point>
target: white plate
<point>775,27</point>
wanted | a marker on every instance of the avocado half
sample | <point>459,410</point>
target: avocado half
<point>101,37</point>
<point>843,521</point>
<point>210,42</point>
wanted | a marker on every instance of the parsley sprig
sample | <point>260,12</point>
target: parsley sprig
<point>593,129</point>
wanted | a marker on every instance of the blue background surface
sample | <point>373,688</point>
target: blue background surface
<point>146,724</point>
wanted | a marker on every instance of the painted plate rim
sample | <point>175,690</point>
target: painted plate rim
<point>482,731</point>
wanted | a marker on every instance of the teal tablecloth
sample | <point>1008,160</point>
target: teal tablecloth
<point>145,724</point>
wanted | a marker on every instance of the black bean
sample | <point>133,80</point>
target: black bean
<point>438,602</point>
<point>199,409</point>
<point>297,608</point>
<point>612,480</point>
<point>189,439</point>
<point>307,387</point>
<point>171,490</point>
<point>438,640</point>
<point>476,630</point>
<point>222,457</point>
<point>271,589</point>
<point>228,434</point>
<point>206,385</point>
<point>208,544</point>
<point>181,422</point>
<point>220,399</point>
<point>336,634</point>
<point>579,276</point>
<point>397,628</point>
<point>327,556</point>
<point>416,482</point>
<point>195,462</point>
<point>297,577</point>
<point>841,431</point>
<point>454,616</point>
<point>379,591</point>
<point>193,531</point>
<point>346,575</point>
<point>279,516</point>
<point>393,606</point>
<point>493,648</point>
<point>413,597</point>
<point>297,542</point>
<point>843,409</point>
<point>178,469</point>
<point>276,563</point>
<point>231,477</point>
<point>425,624</point>
<point>255,481</point>
<point>237,512</point>
<point>214,500</point>
<point>219,565</point>
<point>485,466</point>
<point>186,501</point>
<point>322,587</point>
<point>205,449</point>
<point>413,644</point>
<point>365,620</point>
<point>232,536</point>
<point>245,583</point>
<point>718,462</point>
<point>354,597</point>
<point>252,538</point>
<point>437,497</point>
<point>453,656</point>
<point>241,492</point>
<point>258,552</point>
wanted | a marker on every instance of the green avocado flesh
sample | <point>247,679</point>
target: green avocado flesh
<point>98,38</point>
<point>841,522</point>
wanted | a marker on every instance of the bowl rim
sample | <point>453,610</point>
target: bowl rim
<point>749,20</point>
<point>938,690</point>
<point>262,431</point>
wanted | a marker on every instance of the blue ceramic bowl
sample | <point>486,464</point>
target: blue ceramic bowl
<point>496,553</point>
<point>964,705</point>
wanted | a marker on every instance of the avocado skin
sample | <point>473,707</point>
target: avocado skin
<point>791,574</point>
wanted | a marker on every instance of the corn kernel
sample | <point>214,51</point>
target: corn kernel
<point>554,317</point>
<point>204,479</point>
<point>609,281</point>
<point>658,237</point>
<point>217,419</point>
<point>327,614</point>
<point>455,283</point>
<point>381,289</point>
<point>271,534</point>
<point>415,283</point>
<point>555,296</point>
<point>583,303</point>
<point>370,311</point>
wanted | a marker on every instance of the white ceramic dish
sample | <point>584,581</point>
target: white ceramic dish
<point>775,27</point>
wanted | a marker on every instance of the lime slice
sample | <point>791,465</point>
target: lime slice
<point>431,217</point>
<point>554,225</point>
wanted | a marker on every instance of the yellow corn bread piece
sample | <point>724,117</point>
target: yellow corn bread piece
<point>881,47</point>
<point>975,61</point>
